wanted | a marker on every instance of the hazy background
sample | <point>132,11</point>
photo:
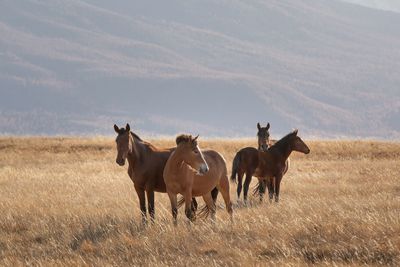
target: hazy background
<point>390,5</point>
<point>214,67</point>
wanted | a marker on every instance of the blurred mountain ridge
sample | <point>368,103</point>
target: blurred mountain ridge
<point>211,67</point>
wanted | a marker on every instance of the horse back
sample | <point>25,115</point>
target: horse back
<point>148,174</point>
<point>271,163</point>
<point>216,160</point>
<point>248,160</point>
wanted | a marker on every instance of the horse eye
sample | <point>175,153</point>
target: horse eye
<point>195,151</point>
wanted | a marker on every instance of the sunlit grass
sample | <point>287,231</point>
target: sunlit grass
<point>64,201</point>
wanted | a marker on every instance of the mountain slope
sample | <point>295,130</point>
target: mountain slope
<point>389,5</point>
<point>213,67</point>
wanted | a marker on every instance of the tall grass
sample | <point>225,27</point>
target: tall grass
<point>64,201</point>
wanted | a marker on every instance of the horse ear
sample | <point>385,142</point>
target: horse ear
<point>258,126</point>
<point>127,128</point>
<point>268,126</point>
<point>116,129</point>
<point>194,139</point>
<point>295,131</point>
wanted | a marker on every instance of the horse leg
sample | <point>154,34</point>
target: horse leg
<point>188,204</point>
<point>270,185</point>
<point>261,189</point>
<point>246,186</point>
<point>174,200</point>
<point>278,180</point>
<point>239,185</point>
<point>224,188</point>
<point>214,194</point>
<point>210,205</point>
<point>142,202</point>
<point>194,206</point>
<point>150,202</point>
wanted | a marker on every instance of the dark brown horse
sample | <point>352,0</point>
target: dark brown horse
<point>146,166</point>
<point>246,161</point>
<point>263,136</point>
<point>273,162</point>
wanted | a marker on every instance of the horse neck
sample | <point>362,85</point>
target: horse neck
<point>175,161</point>
<point>137,155</point>
<point>285,150</point>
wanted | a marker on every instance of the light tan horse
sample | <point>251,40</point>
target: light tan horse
<point>191,173</point>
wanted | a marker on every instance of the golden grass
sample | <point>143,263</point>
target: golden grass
<point>64,201</point>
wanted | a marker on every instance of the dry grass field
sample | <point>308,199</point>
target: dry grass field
<point>64,201</point>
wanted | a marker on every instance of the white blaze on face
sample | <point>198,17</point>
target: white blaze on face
<point>203,166</point>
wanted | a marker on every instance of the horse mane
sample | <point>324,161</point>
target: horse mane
<point>149,145</point>
<point>284,140</point>
<point>185,138</point>
<point>136,136</point>
<point>122,131</point>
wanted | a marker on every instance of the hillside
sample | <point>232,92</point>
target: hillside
<point>212,67</point>
<point>388,5</point>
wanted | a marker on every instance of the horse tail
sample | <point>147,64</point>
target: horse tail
<point>180,202</point>
<point>287,165</point>
<point>256,188</point>
<point>193,205</point>
<point>260,187</point>
<point>235,166</point>
<point>204,212</point>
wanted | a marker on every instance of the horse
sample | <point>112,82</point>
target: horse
<point>191,173</point>
<point>263,136</point>
<point>272,164</point>
<point>146,166</point>
<point>246,161</point>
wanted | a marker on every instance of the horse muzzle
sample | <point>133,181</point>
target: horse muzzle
<point>263,148</point>
<point>120,162</point>
<point>203,169</point>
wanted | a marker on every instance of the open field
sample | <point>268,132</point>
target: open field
<point>64,201</point>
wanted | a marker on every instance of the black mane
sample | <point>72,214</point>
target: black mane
<point>122,131</point>
<point>136,136</point>
<point>284,140</point>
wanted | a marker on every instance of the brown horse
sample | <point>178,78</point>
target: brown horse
<point>263,136</point>
<point>191,172</point>
<point>246,161</point>
<point>273,162</point>
<point>146,166</point>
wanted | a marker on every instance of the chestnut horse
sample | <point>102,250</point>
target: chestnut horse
<point>146,165</point>
<point>191,173</point>
<point>272,164</point>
